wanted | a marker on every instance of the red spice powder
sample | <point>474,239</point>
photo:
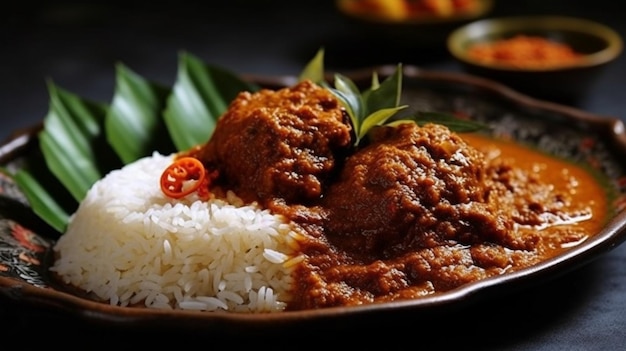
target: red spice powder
<point>524,51</point>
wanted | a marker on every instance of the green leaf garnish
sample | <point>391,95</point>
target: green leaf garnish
<point>378,104</point>
<point>314,69</point>
<point>386,94</point>
<point>366,109</point>
<point>377,118</point>
<point>349,94</point>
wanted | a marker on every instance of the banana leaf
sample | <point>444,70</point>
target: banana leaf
<point>82,140</point>
<point>41,201</point>
<point>134,125</point>
<point>73,143</point>
<point>200,95</point>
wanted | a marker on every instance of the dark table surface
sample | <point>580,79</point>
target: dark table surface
<point>77,46</point>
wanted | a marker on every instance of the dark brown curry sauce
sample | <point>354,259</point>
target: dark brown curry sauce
<point>538,206</point>
<point>415,211</point>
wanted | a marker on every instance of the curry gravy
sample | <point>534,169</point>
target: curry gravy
<point>564,176</point>
<point>537,207</point>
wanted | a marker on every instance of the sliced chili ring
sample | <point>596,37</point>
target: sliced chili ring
<point>184,176</point>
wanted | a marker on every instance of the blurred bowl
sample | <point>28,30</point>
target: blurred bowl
<point>523,68</point>
<point>416,23</point>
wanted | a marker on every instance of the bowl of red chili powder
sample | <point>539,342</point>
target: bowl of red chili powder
<point>552,57</point>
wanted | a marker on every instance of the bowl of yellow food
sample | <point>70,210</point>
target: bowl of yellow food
<point>553,57</point>
<point>423,23</point>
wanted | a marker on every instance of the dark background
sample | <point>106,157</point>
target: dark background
<point>77,45</point>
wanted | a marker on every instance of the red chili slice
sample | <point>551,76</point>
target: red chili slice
<point>184,176</point>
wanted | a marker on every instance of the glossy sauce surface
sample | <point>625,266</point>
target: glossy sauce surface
<point>537,207</point>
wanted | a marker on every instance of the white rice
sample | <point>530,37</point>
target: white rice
<point>129,244</point>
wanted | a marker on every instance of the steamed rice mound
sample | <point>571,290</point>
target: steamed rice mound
<point>130,245</point>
